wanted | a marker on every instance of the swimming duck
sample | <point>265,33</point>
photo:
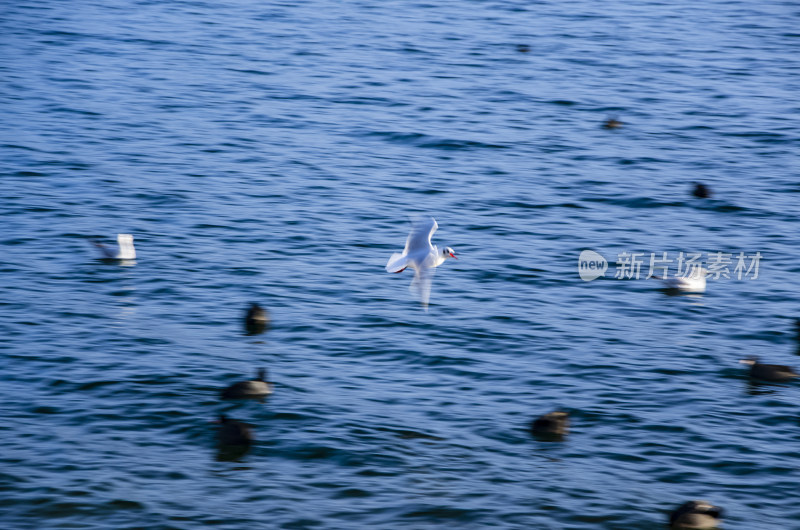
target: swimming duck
<point>256,320</point>
<point>233,432</point>
<point>695,515</point>
<point>701,191</point>
<point>769,372</point>
<point>253,389</point>
<point>553,425</point>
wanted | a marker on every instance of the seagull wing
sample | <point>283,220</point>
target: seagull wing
<point>419,240</point>
<point>675,283</point>
<point>421,284</point>
<point>108,253</point>
<point>397,262</point>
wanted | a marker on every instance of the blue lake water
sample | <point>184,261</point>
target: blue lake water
<point>274,152</point>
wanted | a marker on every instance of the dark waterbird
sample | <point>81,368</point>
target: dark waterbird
<point>695,515</point>
<point>551,426</point>
<point>701,191</point>
<point>769,372</point>
<point>233,432</point>
<point>256,320</point>
<point>252,389</point>
<point>612,123</point>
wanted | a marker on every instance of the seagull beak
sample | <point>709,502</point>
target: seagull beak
<point>453,255</point>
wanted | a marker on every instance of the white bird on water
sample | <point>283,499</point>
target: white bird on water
<point>421,256</point>
<point>694,282</point>
<point>124,251</point>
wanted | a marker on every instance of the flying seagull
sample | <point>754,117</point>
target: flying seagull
<point>421,256</point>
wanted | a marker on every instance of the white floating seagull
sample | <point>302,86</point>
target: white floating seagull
<point>694,282</point>
<point>124,251</point>
<point>421,256</point>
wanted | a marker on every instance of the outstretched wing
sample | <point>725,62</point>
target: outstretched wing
<point>421,284</point>
<point>397,262</point>
<point>420,237</point>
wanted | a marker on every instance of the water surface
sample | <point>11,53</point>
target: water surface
<point>273,152</point>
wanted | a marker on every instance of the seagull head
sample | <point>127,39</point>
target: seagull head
<point>448,252</point>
